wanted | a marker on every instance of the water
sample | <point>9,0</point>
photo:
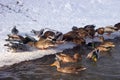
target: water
<point>107,68</point>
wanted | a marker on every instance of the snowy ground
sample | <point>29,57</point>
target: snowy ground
<point>60,15</point>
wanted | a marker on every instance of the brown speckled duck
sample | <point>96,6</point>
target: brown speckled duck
<point>69,69</point>
<point>100,30</point>
<point>67,58</point>
<point>107,29</point>
<point>90,30</point>
<point>42,44</point>
<point>106,46</point>
<point>110,29</point>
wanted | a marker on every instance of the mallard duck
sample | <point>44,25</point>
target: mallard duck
<point>14,37</point>
<point>69,36</point>
<point>71,69</point>
<point>106,46</point>
<point>117,25</point>
<point>79,41</point>
<point>90,30</point>
<point>103,49</point>
<point>14,30</point>
<point>94,55</point>
<point>42,44</point>
<point>100,31</point>
<point>74,28</point>
<point>110,29</point>
<point>67,58</point>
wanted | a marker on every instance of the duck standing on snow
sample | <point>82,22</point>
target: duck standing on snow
<point>42,44</point>
<point>14,31</point>
<point>49,34</point>
<point>68,69</point>
<point>117,25</point>
<point>110,29</point>
<point>67,58</point>
<point>90,30</point>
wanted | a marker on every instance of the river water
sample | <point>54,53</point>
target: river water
<point>107,68</point>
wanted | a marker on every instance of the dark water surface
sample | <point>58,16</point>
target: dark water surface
<point>107,68</point>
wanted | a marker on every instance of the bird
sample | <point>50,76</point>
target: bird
<point>74,28</point>
<point>68,69</point>
<point>110,29</point>
<point>100,30</point>
<point>42,44</point>
<point>14,31</point>
<point>67,58</point>
<point>117,25</point>
<point>90,30</point>
<point>106,46</point>
<point>94,55</point>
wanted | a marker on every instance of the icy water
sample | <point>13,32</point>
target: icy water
<point>107,68</point>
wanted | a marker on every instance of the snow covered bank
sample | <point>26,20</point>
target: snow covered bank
<point>60,15</point>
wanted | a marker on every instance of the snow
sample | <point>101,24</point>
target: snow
<point>59,15</point>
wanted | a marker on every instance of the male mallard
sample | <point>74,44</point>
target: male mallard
<point>69,69</point>
<point>68,58</point>
<point>94,55</point>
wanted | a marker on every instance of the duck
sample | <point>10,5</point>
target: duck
<point>110,29</point>
<point>100,30</point>
<point>14,30</point>
<point>74,28</point>
<point>14,37</point>
<point>67,69</point>
<point>94,55</point>
<point>90,30</point>
<point>42,44</point>
<point>67,58</point>
<point>117,25</point>
<point>79,41</point>
<point>76,36</point>
<point>106,46</point>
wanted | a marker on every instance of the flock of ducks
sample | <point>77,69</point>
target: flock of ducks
<point>48,38</point>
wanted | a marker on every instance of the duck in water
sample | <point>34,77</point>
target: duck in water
<point>68,69</point>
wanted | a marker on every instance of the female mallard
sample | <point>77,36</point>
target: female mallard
<point>100,31</point>
<point>106,46</point>
<point>110,29</point>
<point>69,69</point>
<point>42,44</point>
<point>67,58</point>
<point>107,29</point>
